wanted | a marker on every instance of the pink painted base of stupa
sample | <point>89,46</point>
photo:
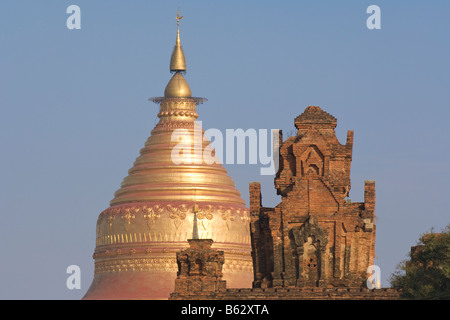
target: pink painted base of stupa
<point>131,286</point>
<point>147,285</point>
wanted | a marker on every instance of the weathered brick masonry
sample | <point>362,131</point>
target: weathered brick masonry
<point>316,243</point>
<point>291,294</point>
<point>314,237</point>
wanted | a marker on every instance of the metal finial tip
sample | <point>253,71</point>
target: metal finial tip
<point>178,17</point>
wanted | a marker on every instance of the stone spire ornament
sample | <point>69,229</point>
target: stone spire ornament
<point>195,229</point>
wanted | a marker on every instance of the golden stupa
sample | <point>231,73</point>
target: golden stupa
<point>152,214</point>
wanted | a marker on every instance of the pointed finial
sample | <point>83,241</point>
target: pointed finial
<point>178,18</point>
<point>195,210</point>
<point>195,229</point>
<point>178,61</point>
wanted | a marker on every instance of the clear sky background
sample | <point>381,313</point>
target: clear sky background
<point>74,111</point>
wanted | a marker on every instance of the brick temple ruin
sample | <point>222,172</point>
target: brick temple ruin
<point>315,244</point>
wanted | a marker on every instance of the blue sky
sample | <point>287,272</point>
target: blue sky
<point>74,110</point>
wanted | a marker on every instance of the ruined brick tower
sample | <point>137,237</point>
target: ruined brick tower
<point>199,271</point>
<point>314,237</point>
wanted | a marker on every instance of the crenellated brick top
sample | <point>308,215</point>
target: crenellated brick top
<point>314,115</point>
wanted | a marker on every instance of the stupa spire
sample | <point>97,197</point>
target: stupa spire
<point>178,61</point>
<point>178,86</point>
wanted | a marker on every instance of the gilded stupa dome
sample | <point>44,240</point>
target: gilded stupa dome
<point>153,213</point>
